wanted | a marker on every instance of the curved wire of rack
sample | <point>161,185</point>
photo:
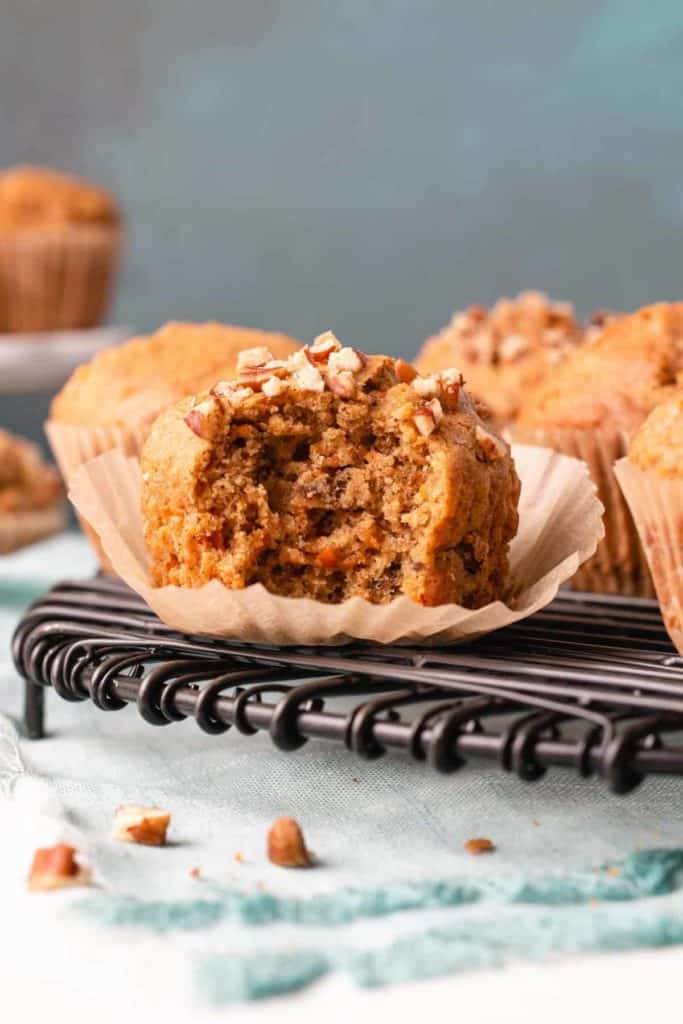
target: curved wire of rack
<point>590,683</point>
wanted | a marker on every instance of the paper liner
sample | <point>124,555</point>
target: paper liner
<point>561,524</point>
<point>56,279</point>
<point>73,445</point>
<point>619,565</point>
<point>20,529</point>
<point>657,508</point>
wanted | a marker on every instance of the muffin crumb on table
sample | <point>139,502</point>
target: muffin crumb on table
<point>325,476</point>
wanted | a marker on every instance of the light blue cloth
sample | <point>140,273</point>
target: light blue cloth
<point>394,896</point>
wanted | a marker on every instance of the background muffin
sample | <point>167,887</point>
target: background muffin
<point>590,406</point>
<point>112,401</point>
<point>504,351</point>
<point>652,481</point>
<point>31,494</point>
<point>331,476</point>
<point>59,242</point>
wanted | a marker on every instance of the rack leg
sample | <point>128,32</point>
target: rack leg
<point>34,711</point>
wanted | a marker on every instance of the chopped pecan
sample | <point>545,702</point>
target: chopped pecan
<point>491,446</point>
<point>202,419</point>
<point>54,867</point>
<point>405,372</point>
<point>477,846</point>
<point>145,825</point>
<point>253,357</point>
<point>286,846</point>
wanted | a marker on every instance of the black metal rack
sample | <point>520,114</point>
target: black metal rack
<point>590,683</point>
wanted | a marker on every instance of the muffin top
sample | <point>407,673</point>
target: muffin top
<point>36,197</point>
<point>658,444</point>
<point>130,384</point>
<point>27,483</point>
<point>617,378</point>
<point>505,350</point>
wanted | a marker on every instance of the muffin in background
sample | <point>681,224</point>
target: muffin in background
<point>31,495</point>
<point>59,245</point>
<point>505,350</point>
<point>651,478</point>
<point>590,406</point>
<point>112,401</point>
<point>329,476</point>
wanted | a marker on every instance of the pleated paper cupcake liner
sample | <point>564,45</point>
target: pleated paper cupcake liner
<point>73,445</point>
<point>57,279</point>
<point>619,565</point>
<point>657,508</point>
<point>560,526</point>
<point>17,530</point>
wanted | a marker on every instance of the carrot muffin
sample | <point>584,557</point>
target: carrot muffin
<point>590,406</point>
<point>504,351</point>
<point>31,495</point>
<point>112,401</point>
<point>331,475</point>
<point>59,242</point>
<point>652,481</point>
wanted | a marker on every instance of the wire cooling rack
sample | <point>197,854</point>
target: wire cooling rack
<point>589,683</point>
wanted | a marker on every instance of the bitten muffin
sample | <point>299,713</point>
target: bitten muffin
<point>31,494</point>
<point>590,406</point>
<point>652,481</point>
<point>330,475</point>
<point>112,401</point>
<point>504,351</point>
<point>59,243</point>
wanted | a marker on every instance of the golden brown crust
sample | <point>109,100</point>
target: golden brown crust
<point>504,351</point>
<point>615,380</point>
<point>130,384</point>
<point>388,488</point>
<point>37,197</point>
<point>658,444</point>
<point>27,484</point>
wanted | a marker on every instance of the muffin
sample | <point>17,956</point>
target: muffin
<point>504,351</point>
<point>59,243</point>
<point>651,478</point>
<point>331,475</point>
<point>590,406</point>
<point>31,495</point>
<point>112,401</point>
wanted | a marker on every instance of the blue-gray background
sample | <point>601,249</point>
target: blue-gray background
<point>365,165</point>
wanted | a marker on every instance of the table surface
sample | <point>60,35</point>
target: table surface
<point>396,821</point>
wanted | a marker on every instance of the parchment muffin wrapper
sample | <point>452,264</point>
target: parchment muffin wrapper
<point>619,565</point>
<point>72,445</point>
<point>656,505</point>
<point>57,279</point>
<point>560,526</point>
<point>18,530</point>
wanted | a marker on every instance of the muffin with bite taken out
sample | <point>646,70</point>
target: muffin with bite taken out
<point>330,474</point>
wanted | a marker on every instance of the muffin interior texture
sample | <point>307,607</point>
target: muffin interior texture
<point>328,496</point>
